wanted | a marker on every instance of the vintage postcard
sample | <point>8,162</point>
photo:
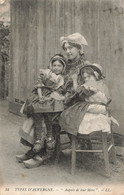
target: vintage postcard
<point>61,97</point>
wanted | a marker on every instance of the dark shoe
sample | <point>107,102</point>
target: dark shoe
<point>22,157</point>
<point>37,161</point>
<point>32,163</point>
<point>42,158</point>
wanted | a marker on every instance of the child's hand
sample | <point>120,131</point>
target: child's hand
<point>44,99</point>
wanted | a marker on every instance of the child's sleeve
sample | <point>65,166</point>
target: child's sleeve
<point>84,90</point>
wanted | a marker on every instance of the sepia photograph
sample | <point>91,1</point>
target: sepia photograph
<point>61,97</point>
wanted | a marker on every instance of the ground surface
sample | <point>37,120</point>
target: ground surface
<point>12,173</point>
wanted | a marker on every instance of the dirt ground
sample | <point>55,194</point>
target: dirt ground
<point>88,174</point>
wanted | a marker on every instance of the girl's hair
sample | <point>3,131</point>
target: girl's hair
<point>90,71</point>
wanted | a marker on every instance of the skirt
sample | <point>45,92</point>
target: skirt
<point>32,105</point>
<point>70,119</point>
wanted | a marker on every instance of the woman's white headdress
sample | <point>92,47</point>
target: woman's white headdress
<point>76,38</point>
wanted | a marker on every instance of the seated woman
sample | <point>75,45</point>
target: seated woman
<point>89,114</point>
<point>73,45</point>
<point>46,104</point>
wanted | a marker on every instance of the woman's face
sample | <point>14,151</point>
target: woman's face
<point>72,52</point>
<point>57,67</point>
<point>88,77</point>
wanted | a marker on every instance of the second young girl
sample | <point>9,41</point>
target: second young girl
<point>89,114</point>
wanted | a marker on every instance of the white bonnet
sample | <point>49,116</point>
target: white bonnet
<point>97,68</point>
<point>76,38</point>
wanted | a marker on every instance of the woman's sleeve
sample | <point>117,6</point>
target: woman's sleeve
<point>67,86</point>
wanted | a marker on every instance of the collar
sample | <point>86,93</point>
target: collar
<point>79,61</point>
<point>72,66</point>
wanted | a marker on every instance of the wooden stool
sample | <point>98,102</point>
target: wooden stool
<point>60,146</point>
<point>101,138</point>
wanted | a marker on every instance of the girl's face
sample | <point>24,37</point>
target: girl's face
<point>88,77</point>
<point>72,52</point>
<point>57,67</point>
